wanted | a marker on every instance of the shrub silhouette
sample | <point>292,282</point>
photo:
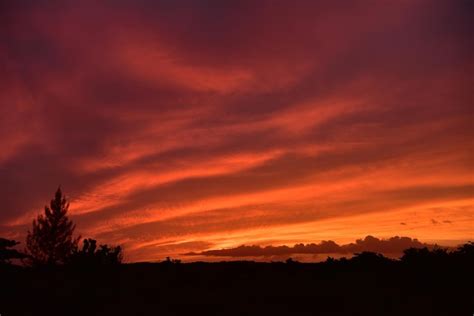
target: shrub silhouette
<point>465,251</point>
<point>7,254</point>
<point>421,256</point>
<point>90,255</point>
<point>369,258</point>
<point>51,240</point>
<point>171,261</point>
<point>291,261</point>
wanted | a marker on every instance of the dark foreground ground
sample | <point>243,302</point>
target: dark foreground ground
<point>351,287</point>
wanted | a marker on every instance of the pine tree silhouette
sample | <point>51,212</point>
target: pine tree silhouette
<point>51,240</point>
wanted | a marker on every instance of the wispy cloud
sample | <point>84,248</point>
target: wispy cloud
<point>252,121</point>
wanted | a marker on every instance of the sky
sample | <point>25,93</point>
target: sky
<point>181,128</point>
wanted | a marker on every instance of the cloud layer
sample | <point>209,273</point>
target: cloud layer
<point>393,246</point>
<point>205,125</point>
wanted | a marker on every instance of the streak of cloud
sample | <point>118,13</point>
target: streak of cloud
<point>200,122</point>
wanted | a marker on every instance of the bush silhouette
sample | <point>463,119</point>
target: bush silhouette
<point>51,240</point>
<point>465,251</point>
<point>421,256</point>
<point>171,261</point>
<point>90,255</point>
<point>7,254</point>
<point>368,258</point>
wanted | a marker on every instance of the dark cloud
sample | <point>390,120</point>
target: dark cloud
<point>392,246</point>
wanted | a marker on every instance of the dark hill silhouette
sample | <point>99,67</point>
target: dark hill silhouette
<point>422,282</point>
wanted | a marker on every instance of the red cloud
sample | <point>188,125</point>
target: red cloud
<point>251,121</point>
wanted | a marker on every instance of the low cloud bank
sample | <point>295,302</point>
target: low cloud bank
<point>392,246</point>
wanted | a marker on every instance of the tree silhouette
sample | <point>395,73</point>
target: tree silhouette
<point>465,251</point>
<point>51,240</point>
<point>91,256</point>
<point>7,254</point>
<point>423,256</point>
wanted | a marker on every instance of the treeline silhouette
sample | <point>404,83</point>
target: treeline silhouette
<point>57,277</point>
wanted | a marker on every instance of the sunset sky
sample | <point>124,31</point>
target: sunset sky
<point>178,127</point>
